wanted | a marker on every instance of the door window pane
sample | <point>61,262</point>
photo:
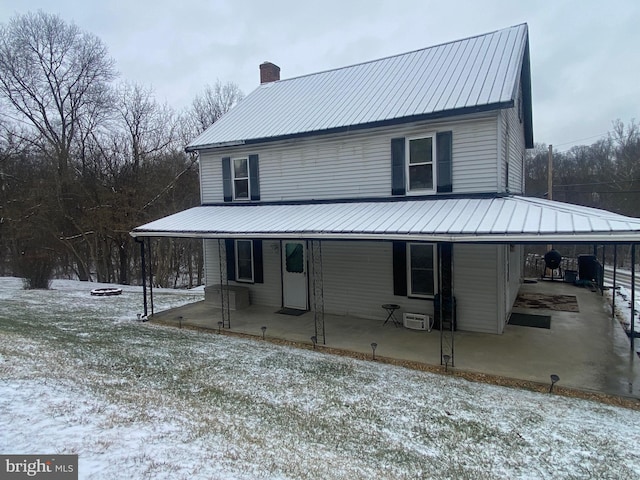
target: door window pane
<point>294,254</point>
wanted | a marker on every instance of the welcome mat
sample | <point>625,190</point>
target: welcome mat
<point>291,311</point>
<point>528,320</point>
<point>563,303</point>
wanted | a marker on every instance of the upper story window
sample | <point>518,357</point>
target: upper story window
<point>421,165</point>
<point>240,178</point>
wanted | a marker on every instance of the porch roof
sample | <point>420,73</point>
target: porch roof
<point>501,219</point>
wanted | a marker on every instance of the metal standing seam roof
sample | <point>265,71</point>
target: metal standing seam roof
<point>475,73</point>
<point>478,220</point>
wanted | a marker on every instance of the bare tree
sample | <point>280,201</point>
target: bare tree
<point>214,102</point>
<point>55,80</point>
<point>53,75</point>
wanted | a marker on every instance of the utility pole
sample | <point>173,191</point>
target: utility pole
<point>550,175</point>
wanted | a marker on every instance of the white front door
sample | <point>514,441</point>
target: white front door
<point>294,274</point>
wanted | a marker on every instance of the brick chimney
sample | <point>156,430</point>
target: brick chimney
<point>269,72</point>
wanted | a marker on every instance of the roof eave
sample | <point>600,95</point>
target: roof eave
<point>363,126</point>
<point>487,238</point>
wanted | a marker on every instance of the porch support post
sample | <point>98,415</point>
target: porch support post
<point>318,291</point>
<point>633,295</point>
<point>225,312</point>
<point>447,305</point>
<point>613,294</point>
<point>143,272</point>
<point>150,273</point>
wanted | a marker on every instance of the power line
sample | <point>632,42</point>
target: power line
<point>593,183</point>
<point>581,139</point>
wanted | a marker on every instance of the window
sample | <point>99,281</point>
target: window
<point>240,178</point>
<point>244,260</point>
<point>421,155</point>
<point>421,269</point>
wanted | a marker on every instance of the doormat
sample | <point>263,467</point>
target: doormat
<point>528,320</point>
<point>563,303</point>
<point>291,311</point>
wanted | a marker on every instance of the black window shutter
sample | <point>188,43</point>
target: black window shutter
<point>226,179</point>
<point>230,247</point>
<point>400,268</point>
<point>444,146</point>
<point>397,167</point>
<point>254,176</point>
<point>258,275</point>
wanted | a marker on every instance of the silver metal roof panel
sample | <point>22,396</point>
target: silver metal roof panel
<point>475,72</point>
<point>500,219</point>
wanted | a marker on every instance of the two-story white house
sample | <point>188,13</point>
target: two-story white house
<point>397,180</point>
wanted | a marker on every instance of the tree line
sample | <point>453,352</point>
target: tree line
<point>605,174</point>
<point>85,157</point>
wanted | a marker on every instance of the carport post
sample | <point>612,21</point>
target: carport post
<point>150,273</point>
<point>613,295</point>
<point>604,246</point>
<point>633,295</point>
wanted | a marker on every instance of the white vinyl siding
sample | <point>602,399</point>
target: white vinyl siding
<point>475,286</point>
<point>512,151</point>
<point>357,164</point>
<point>358,279</point>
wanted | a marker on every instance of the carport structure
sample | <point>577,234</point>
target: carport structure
<point>444,221</point>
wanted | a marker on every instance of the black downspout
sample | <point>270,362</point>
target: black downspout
<point>150,273</point>
<point>144,273</point>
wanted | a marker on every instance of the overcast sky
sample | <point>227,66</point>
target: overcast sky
<point>585,55</point>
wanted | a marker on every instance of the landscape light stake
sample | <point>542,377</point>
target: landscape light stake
<point>219,326</point>
<point>314,340</point>
<point>447,359</point>
<point>373,348</point>
<point>554,379</point>
<point>264,329</point>
<point>180,321</point>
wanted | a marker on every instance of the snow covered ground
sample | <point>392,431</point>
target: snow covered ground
<point>78,374</point>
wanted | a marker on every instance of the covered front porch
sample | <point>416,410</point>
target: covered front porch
<point>587,349</point>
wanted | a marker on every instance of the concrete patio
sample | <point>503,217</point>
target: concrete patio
<point>587,349</point>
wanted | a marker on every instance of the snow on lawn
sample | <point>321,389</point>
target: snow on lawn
<point>79,375</point>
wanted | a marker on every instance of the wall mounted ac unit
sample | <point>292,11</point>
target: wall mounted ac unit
<point>417,321</point>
